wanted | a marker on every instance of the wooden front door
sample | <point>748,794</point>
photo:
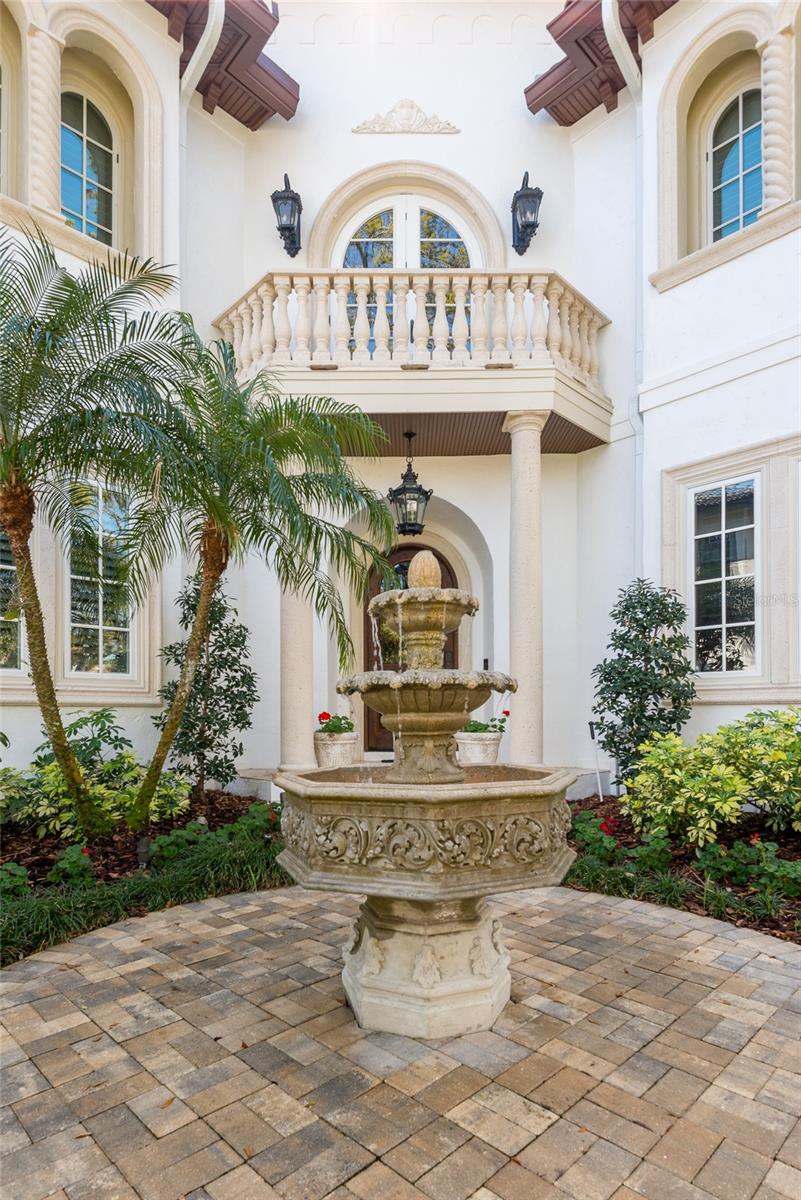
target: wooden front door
<point>376,737</point>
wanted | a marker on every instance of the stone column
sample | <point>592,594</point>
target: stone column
<point>777,118</point>
<point>297,682</point>
<point>525,586</point>
<point>44,128</point>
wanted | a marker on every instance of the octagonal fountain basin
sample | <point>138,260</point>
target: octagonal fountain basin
<point>425,957</point>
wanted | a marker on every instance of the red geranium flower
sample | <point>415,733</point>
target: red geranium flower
<point>754,838</point>
<point>505,712</point>
<point>324,716</point>
<point>85,850</point>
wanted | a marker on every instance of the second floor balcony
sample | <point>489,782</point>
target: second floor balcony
<point>416,320</point>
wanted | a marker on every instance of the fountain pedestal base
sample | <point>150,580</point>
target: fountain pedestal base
<point>426,969</point>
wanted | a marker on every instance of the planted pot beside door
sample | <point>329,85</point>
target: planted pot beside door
<point>478,742</point>
<point>335,740</point>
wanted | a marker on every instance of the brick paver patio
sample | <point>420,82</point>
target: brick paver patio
<point>206,1052</point>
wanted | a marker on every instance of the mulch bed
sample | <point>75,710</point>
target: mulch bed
<point>115,854</point>
<point>785,924</point>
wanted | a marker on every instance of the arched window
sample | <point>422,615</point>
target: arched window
<point>735,156</point>
<point>405,232</point>
<point>87,168</point>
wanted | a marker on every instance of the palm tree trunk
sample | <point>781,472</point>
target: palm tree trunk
<point>214,558</point>
<point>17,507</point>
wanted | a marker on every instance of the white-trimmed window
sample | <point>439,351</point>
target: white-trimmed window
<point>87,168</point>
<point>100,633</point>
<point>406,231</point>
<point>10,617</point>
<point>735,163</point>
<point>724,567</point>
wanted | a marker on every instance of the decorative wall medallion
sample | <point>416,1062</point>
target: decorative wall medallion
<point>478,959</point>
<point>406,117</point>
<point>426,970</point>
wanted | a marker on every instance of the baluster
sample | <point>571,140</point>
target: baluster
<point>440,330</point>
<point>381,324</point>
<point>595,325</point>
<point>479,319</point>
<point>584,341</point>
<point>461,329</point>
<point>322,336</point>
<point>400,320</point>
<point>255,330</point>
<point>575,353</point>
<point>283,329</point>
<point>554,341</point>
<point>342,326</point>
<point>422,330</point>
<point>519,329</point>
<point>539,327</point>
<point>247,355</point>
<point>361,326</point>
<point>267,293</point>
<point>500,324</point>
<point>564,313</point>
<point>236,319</point>
<point>226,325</point>
<point>302,354</point>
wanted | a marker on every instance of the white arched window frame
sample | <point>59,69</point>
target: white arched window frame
<point>400,243</point>
<point>734,164</point>
<point>406,208</point>
<point>88,158</point>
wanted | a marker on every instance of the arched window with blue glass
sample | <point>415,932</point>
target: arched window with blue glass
<point>405,232</point>
<point>736,165</point>
<point>87,168</point>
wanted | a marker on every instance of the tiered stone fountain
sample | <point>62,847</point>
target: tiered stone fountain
<point>425,839</point>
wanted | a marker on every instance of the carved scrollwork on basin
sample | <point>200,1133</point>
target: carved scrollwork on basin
<point>420,845</point>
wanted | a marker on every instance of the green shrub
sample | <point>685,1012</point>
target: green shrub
<point>90,736</point>
<point>73,868</point>
<point>595,837</point>
<point>690,791</point>
<point>645,686</point>
<point>38,921</point>
<point>223,693</point>
<point>251,828</point>
<point>654,853</point>
<point>14,881</point>
<point>731,865</point>
<point>684,791</point>
<point>765,749</point>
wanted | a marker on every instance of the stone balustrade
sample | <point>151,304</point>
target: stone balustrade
<point>415,320</point>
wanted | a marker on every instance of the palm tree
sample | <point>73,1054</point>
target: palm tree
<point>84,369</point>
<point>266,474</point>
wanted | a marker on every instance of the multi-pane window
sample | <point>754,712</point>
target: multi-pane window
<point>724,552</point>
<point>405,234</point>
<point>100,621</point>
<point>10,623</point>
<point>737,165</point>
<point>87,168</point>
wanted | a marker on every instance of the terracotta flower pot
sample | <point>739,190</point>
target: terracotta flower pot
<point>478,748</point>
<point>335,749</point>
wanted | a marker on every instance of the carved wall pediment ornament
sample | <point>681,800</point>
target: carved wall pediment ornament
<point>406,117</point>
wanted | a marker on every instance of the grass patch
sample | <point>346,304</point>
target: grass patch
<point>47,918</point>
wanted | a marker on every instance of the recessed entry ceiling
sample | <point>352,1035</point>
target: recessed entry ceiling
<point>474,433</point>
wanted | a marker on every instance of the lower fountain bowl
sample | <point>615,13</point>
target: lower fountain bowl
<point>425,957</point>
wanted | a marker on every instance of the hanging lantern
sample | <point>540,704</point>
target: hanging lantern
<point>409,501</point>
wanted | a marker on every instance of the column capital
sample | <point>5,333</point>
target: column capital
<point>530,419</point>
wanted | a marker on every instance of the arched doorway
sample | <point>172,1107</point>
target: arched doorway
<point>376,737</point>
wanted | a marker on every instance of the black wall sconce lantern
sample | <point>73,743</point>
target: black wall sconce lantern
<point>525,215</point>
<point>409,501</point>
<point>288,207</point>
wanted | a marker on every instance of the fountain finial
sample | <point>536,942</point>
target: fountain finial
<point>424,571</point>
